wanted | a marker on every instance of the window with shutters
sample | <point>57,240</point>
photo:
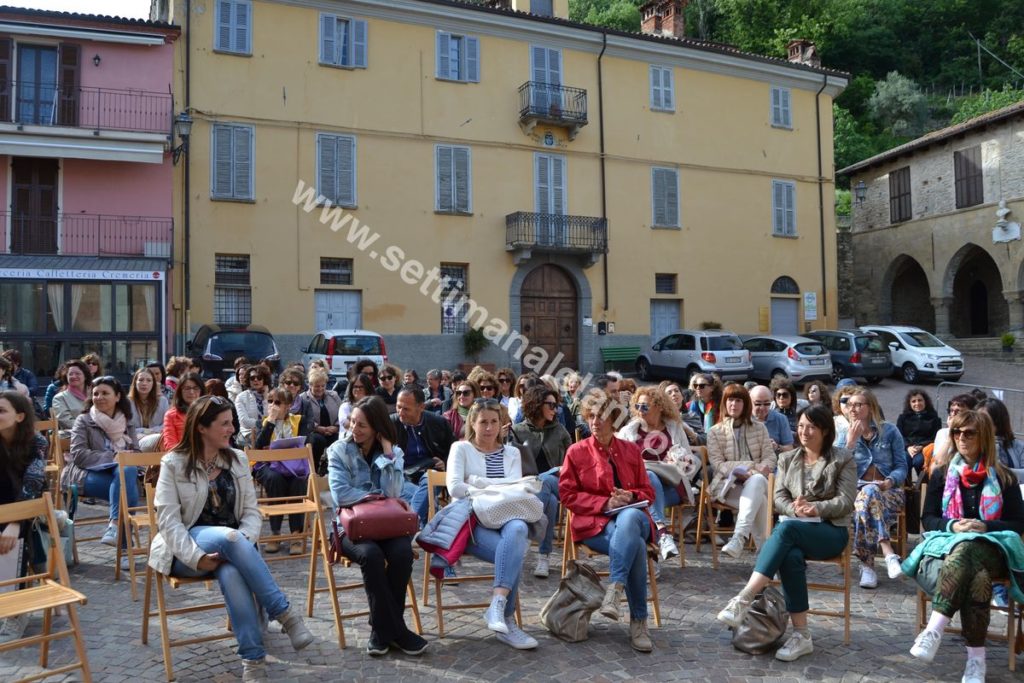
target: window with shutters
<point>970,188</point>
<point>542,8</point>
<point>662,88</point>
<point>335,271</point>
<point>783,208</point>
<point>342,41</point>
<point>454,179</point>
<point>899,195</point>
<point>336,168</point>
<point>665,197</point>
<point>458,58</point>
<point>232,292</point>
<point>664,283</point>
<point>782,116</point>
<point>454,292</point>
<point>234,27</point>
<point>232,160</point>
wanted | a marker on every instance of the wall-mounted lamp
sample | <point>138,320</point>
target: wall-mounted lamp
<point>96,60</point>
<point>860,192</point>
<point>183,128</point>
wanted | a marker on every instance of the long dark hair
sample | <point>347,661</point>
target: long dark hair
<point>363,381</point>
<point>996,410</point>
<point>16,455</point>
<point>376,413</point>
<point>202,413</point>
<point>821,417</point>
<point>145,407</point>
<point>124,404</point>
<point>179,392</point>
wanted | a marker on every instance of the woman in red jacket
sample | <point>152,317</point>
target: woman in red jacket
<point>599,475</point>
<point>188,389</point>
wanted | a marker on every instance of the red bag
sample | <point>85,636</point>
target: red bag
<point>377,518</point>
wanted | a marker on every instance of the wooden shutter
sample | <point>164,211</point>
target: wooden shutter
<point>654,78</point>
<point>221,185</point>
<point>444,178</point>
<point>347,171</point>
<point>6,81</point>
<point>542,182</point>
<point>787,118</point>
<point>327,167</point>
<point>463,181</point>
<point>359,32</point>
<point>471,47</point>
<point>665,196</point>
<point>558,202</point>
<point>658,196</point>
<point>777,106</point>
<point>778,208</point>
<point>444,46</point>
<point>790,208</point>
<point>667,89</point>
<point>68,86</point>
<point>969,182</point>
<point>222,40</point>
<point>328,43</point>
<point>242,149</point>
<point>241,28</point>
<point>899,195</point>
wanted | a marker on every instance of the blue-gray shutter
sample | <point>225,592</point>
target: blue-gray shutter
<point>667,89</point>
<point>327,167</point>
<point>787,118</point>
<point>472,47</point>
<point>558,203</point>
<point>777,106</point>
<point>543,184</point>
<point>658,200</point>
<point>347,171</point>
<point>672,197</point>
<point>241,28</point>
<point>654,77</point>
<point>460,162</point>
<point>242,143</point>
<point>444,42</point>
<point>444,178</point>
<point>222,40</point>
<point>358,28</point>
<point>220,185</point>
<point>790,198</point>
<point>328,44</point>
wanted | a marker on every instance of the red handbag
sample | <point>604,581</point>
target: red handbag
<point>377,518</point>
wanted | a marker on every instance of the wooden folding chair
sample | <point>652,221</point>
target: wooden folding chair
<point>321,541</point>
<point>162,611</point>
<point>132,521</point>
<point>572,549</point>
<point>280,506</point>
<point>73,500</point>
<point>437,479</point>
<point>51,590</point>
<point>48,429</point>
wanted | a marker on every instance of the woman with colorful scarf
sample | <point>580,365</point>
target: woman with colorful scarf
<point>969,504</point>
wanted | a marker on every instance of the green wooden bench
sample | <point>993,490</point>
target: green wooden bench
<point>619,354</point>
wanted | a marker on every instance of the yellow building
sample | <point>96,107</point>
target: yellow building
<point>559,175</point>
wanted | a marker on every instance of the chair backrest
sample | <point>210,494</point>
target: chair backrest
<point>434,479</point>
<point>922,494</point>
<point>281,455</point>
<point>48,426</point>
<point>321,487</point>
<point>134,459</point>
<point>27,511</point>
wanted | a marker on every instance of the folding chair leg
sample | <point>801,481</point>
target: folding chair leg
<point>79,643</point>
<point>1011,633</point>
<point>415,608</point>
<point>847,580</point>
<point>165,637</point>
<point>656,603</point>
<point>44,649</point>
<point>426,580</point>
<point>440,613</point>
<point>146,604</point>
<point>310,588</point>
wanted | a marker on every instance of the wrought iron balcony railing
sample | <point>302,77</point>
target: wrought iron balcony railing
<point>556,232</point>
<point>81,234</point>
<point>553,104</point>
<point>97,109</point>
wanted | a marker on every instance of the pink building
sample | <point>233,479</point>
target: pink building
<point>86,182</point>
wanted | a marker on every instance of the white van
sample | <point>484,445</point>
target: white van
<point>917,354</point>
<point>342,348</point>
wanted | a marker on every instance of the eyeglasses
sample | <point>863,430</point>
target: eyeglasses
<point>551,404</point>
<point>643,407</point>
<point>387,377</point>
<point>968,434</point>
<point>191,387</point>
<point>487,387</point>
<point>782,394</point>
<point>487,402</point>
<point>504,380</point>
<point>103,380</point>
<point>255,377</point>
<point>278,403</point>
<point>464,392</point>
<point>702,385</point>
<point>291,383</point>
<point>762,404</point>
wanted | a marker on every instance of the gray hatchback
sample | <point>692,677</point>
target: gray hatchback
<point>855,354</point>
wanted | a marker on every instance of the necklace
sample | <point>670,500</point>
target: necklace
<point>210,466</point>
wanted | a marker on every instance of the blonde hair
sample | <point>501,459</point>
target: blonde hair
<point>316,375</point>
<point>597,402</point>
<point>873,407</point>
<point>492,405</point>
<point>986,429</point>
<point>656,397</point>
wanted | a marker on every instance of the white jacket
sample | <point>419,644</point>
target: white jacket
<point>467,467</point>
<point>249,418</point>
<point>631,433</point>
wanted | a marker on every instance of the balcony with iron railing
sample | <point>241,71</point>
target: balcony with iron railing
<point>552,104</point>
<point>40,103</point>
<point>529,232</point>
<point>81,234</point>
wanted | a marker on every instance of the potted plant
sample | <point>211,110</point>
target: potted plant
<point>710,325</point>
<point>1008,339</point>
<point>474,342</point>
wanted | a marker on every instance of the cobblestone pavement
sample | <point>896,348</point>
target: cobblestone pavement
<point>690,645</point>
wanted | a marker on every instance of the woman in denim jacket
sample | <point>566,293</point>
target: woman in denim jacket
<point>368,462</point>
<point>880,453</point>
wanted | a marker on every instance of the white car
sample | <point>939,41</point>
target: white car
<point>342,348</point>
<point>917,354</point>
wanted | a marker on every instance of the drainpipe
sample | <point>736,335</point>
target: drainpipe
<point>821,196</point>
<point>604,192</point>
<point>186,257</point>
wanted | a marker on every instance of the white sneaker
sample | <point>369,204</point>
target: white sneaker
<point>796,647</point>
<point>734,548</point>
<point>517,638</point>
<point>868,577</point>
<point>892,564</point>
<point>974,672</point>
<point>926,645</point>
<point>495,615</point>
<point>732,615</point>
<point>668,546</point>
<point>110,535</point>
<point>541,569</point>
<point>13,628</point>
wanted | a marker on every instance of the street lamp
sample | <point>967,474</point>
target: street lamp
<point>183,128</point>
<point>860,192</point>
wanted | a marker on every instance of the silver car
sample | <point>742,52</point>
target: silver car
<point>685,352</point>
<point>798,359</point>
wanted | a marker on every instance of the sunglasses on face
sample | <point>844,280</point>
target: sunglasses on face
<point>277,403</point>
<point>551,404</point>
<point>387,377</point>
<point>844,400</point>
<point>487,387</point>
<point>255,378</point>
<point>504,380</point>
<point>464,392</point>
<point>701,386</point>
<point>643,407</point>
<point>292,383</point>
<point>782,394</point>
<point>966,433</point>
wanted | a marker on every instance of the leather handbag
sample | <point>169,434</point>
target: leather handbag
<point>567,613</point>
<point>764,625</point>
<point>377,518</point>
<point>666,471</point>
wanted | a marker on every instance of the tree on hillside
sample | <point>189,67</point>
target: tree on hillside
<point>898,106</point>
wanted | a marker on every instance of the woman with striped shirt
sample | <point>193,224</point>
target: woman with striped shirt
<point>480,461</point>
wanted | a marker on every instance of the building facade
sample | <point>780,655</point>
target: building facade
<point>936,235</point>
<point>86,234</point>
<point>418,167</point>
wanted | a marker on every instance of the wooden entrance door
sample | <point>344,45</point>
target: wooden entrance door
<point>550,320</point>
<point>34,206</point>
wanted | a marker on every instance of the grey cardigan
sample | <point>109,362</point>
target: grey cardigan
<point>156,423</point>
<point>832,489</point>
<point>66,407</point>
<point>90,447</point>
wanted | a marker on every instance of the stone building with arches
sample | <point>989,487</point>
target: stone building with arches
<point>936,230</point>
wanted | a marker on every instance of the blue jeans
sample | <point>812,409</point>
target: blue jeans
<point>241,576</point>
<point>106,485</point>
<point>663,498</point>
<point>624,541</point>
<point>506,550</point>
<point>549,497</point>
<point>411,495</point>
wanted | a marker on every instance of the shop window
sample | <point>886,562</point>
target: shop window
<point>135,308</point>
<point>90,308</point>
<point>20,303</point>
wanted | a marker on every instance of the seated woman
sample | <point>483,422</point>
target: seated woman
<point>465,393</point>
<point>251,404</point>
<point>389,386</point>
<point>506,384</point>
<point>478,462</point>
<point>739,441</point>
<point>99,433</point>
<point>279,424</point>
<point>1009,448</point>
<point>371,463</point>
<point>657,428</point>
<point>786,401</point>
<point>515,401</point>
<point>326,404</point>
<point>188,388</point>
<point>148,408</point>
<point>208,523</point>
<point>881,459</point>
<point>707,395</point>
<point>918,424</point>
<point>602,473</point>
<point>359,388</point>
<point>8,382</point>
<point>487,387</point>
<point>542,442</point>
<point>817,392</point>
<point>816,480</point>
<point>969,499</point>
<point>68,404</point>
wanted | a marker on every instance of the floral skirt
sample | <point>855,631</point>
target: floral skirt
<point>874,513</point>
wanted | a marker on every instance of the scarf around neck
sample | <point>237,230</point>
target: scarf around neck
<point>991,505</point>
<point>113,427</point>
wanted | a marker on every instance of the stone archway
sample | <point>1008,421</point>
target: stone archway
<point>906,295</point>
<point>974,282</point>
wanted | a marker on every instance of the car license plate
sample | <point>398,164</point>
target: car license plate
<point>733,360</point>
<point>878,361</point>
<point>817,361</point>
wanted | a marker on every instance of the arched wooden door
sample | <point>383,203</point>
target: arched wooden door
<point>549,311</point>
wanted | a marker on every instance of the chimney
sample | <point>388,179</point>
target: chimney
<point>803,51</point>
<point>664,18</point>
